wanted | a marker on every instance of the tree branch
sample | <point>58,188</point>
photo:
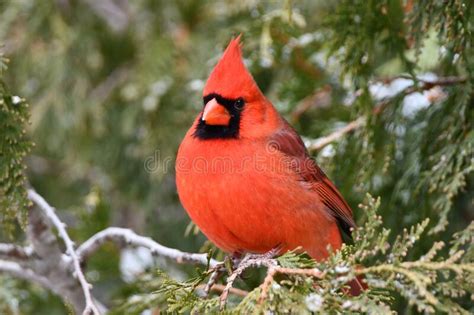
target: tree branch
<point>49,212</point>
<point>220,288</point>
<point>442,81</point>
<point>265,260</point>
<point>250,260</point>
<point>45,263</point>
<point>18,271</point>
<point>272,271</point>
<point>12,251</point>
<point>215,274</point>
<point>319,143</point>
<point>50,262</point>
<point>126,237</point>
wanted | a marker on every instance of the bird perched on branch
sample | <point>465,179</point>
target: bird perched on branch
<point>245,177</point>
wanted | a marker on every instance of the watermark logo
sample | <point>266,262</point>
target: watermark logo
<point>271,159</point>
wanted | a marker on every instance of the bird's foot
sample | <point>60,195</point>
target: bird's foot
<point>248,261</point>
<point>264,259</point>
<point>215,273</point>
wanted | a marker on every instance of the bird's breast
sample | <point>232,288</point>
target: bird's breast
<point>244,196</point>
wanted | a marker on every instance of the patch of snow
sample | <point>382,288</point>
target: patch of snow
<point>413,103</point>
<point>314,302</point>
<point>381,91</point>
<point>276,286</point>
<point>134,262</point>
<point>346,304</point>
<point>16,100</point>
<point>328,151</point>
<point>341,269</point>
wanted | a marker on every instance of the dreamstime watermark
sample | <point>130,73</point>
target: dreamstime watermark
<point>271,159</point>
<point>156,163</point>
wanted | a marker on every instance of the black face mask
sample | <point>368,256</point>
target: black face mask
<point>234,107</point>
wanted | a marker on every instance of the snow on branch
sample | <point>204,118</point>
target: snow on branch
<point>20,272</point>
<point>126,237</point>
<point>416,85</point>
<point>43,261</point>
<point>14,252</point>
<point>90,307</point>
<point>319,143</point>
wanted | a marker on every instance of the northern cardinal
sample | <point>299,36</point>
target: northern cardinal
<point>245,177</point>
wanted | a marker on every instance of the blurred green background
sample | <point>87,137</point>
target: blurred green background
<point>114,85</point>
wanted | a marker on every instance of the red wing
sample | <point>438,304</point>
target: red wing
<point>290,143</point>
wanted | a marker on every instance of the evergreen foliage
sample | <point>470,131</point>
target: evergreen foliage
<point>430,282</point>
<point>112,93</point>
<point>14,146</point>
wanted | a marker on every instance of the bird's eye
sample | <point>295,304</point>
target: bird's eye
<point>239,103</point>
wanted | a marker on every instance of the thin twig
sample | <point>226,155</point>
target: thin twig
<point>272,271</point>
<point>16,252</point>
<point>420,281</point>
<point>248,261</point>
<point>18,271</point>
<point>442,81</point>
<point>319,143</point>
<point>126,237</point>
<point>216,272</point>
<point>49,212</point>
<point>220,288</point>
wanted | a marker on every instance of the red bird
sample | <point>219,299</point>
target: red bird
<point>245,177</point>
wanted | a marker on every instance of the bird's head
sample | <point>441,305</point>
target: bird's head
<point>234,106</point>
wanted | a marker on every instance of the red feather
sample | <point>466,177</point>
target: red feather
<point>258,189</point>
<point>291,144</point>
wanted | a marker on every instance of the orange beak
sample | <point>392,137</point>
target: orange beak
<point>215,114</point>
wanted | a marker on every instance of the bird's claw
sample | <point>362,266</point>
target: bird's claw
<point>251,259</point>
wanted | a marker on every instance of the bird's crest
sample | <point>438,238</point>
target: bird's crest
<point>230,78</point>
